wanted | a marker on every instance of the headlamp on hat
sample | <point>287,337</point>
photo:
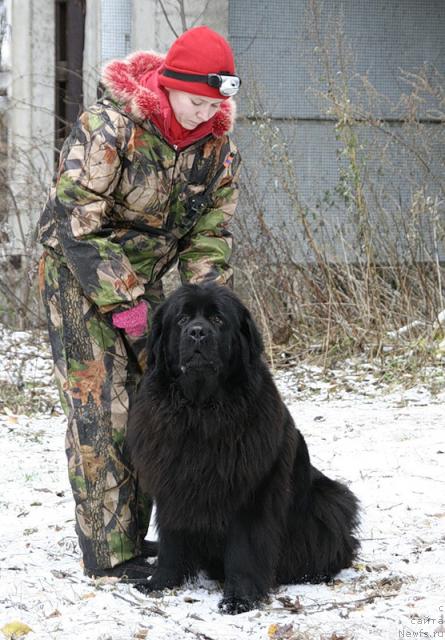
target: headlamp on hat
<point>227,84</point>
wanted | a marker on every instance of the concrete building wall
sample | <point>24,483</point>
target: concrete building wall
<point>30,120</point>
<point>113,28</point>
<point>92,53</point>
<point>277,47</point>
<point>159,22</point>
<point>5,58</point>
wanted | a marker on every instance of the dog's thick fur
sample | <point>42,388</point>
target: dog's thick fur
<point>213,443</point>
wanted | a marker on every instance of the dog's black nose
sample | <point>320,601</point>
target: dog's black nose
<point>197,333</point>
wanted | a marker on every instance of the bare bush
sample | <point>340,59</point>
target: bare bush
<point>20,303</point>
<point>372,280</point>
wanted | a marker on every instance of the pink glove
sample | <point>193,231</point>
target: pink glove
<point>133,321</point>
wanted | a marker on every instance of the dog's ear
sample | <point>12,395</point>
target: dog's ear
<point>251,337</point>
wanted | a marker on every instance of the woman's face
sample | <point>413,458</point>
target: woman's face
<point>191,110</point>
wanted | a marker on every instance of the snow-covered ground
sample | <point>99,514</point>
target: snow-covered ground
<point>389,447</point>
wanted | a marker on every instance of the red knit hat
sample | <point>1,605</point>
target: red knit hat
<point>198,51</point>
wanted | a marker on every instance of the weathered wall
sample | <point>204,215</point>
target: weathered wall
<point>30,118</point>
<point>277,51</point>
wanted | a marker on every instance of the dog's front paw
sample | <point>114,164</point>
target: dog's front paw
<point>234,605</point>
<point>159,581</point>
<point>145,587</point>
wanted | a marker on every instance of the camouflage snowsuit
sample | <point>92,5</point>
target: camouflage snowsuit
<point>117,218</point>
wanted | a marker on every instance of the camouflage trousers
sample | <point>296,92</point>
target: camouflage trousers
<point>97,368</point>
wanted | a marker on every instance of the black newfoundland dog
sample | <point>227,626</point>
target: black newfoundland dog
<point>213,443</point>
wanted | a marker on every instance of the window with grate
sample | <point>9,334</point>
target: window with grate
<point>116,28</point>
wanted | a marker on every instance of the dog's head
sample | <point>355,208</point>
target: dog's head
<point>203,337</point>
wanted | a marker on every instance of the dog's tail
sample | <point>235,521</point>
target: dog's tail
<point>322,532</point>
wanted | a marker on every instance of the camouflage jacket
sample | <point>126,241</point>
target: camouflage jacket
<point>118,211</point>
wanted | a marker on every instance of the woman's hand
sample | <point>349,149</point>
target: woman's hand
<point>133,321</point>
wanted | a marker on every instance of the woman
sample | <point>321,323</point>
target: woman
<point>147,178</point>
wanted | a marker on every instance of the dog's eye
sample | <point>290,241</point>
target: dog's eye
<point>215,319</point>
<point>183,319</point>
